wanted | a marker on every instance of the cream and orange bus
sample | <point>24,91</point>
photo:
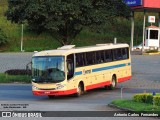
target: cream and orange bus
<point>69,70</point>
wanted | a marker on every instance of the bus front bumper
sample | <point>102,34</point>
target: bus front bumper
<point>51,92</point>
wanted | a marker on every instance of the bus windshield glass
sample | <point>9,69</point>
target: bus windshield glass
<point>48,69</point>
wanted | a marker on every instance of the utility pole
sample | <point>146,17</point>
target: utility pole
<point>144,25</point>
<point>132,30</point>
<point>22,39</point>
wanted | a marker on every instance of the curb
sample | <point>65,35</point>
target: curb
<point>157,53</point>
<point>118,107</point>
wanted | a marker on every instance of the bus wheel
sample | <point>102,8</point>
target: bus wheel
<point>51,96</point>
<point>79,90</point>
<point>106,87</point>
<point>113,84</point>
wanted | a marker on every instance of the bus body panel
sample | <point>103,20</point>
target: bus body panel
<point>92,76</point>
<point>101,75</point>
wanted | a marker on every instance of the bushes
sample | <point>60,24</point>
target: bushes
<point>18,72</point>
<point>3,37</point>
<point>156,100</point>
<point>143,98</point>
<point>16,75</point>
<point>5,78</point>
<point>147,98</point>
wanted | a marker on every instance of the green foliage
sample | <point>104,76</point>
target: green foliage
<point>3,37</point>
<point>135,106</point>
<point>119,28</point>
<point>147,98</point>
<point>65,19</point>
<point>143,98</point>
<point>5,78</point>
<point>18,72</point>
<point>156,100</point>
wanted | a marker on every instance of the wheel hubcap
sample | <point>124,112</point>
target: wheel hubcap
<point>79,90</point>
<point>113,83</point>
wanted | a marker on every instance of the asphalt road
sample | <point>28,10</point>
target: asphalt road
<point>14,60</point>
<point>146,77</point>
<point>94,100</point>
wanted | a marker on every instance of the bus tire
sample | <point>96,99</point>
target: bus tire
<point>113,83</point>
<point>106,87</point>
<point>51,96</point>
<point>79,90</point>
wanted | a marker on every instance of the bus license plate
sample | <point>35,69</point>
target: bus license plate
<point>46,92</point>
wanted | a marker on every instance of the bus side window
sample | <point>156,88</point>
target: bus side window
<point>108,55</point>
<point>117,54</point>
<point>70,66</point>
<point>125,53</point>
<point>90,58</point>
<point>114,51</point>
<point>80,60</point>
<point>99,56</point>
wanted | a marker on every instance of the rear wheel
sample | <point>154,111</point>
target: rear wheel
<point>113,83</point>
<point>106,87</point>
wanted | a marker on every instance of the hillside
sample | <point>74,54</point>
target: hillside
<point>35,42</point>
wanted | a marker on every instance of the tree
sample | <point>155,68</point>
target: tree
<point>3,37</point>
<point>64,19</point>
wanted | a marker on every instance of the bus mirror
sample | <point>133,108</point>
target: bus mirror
<point>69,65</point>
<point>29,64</point>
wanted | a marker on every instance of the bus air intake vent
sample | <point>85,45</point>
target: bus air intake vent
<point>104,44</point>
<point>66,47</point>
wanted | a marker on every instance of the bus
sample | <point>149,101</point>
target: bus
<point>74,70</point>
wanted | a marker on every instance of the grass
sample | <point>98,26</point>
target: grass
<point>5,78</point>
<point>135,106</point>
<point>157,94</point>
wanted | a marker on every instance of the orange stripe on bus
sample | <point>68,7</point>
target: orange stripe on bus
<point>49,92</point>
<point>124,79</point>
<point>98,85</point>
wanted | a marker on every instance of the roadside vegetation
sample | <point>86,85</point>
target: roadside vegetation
<point>120,28</point>
<point>140,102</point>
<point>5,78</point>
<point>135,106</point>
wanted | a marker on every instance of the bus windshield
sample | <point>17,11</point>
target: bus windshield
<point>48,69</point>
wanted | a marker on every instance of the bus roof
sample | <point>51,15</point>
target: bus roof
<point>68,49</point>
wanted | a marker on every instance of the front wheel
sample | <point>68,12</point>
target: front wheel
<point>79,91</point>
<point>51,96</point>
<point>113,84</point>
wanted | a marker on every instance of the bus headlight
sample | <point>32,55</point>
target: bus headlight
<point>59,86</point>
<point>34,87</point>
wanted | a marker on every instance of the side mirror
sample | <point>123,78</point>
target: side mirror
<point>27,66</point>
